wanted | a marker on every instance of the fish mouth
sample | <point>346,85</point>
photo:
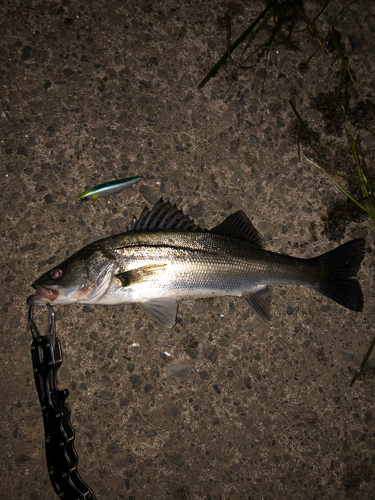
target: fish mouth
<point>44,295</point>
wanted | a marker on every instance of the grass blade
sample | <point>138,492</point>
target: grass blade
<point>370,213</point>
<point>345,65</point>
<point>364,362</point>
<point>303,125</point>
<point>353,179</point>
<point>321,11</point>
<point>363,174</point>
<point>310,26</point>
<point>368,10</point>
<point>253,36</point>
<point>240,39</point>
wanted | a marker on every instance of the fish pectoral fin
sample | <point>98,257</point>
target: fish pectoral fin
<point>162,311</point>
<point>260,302</point>
<point>150,272</point>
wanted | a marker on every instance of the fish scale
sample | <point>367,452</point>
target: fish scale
<point>213,261</point>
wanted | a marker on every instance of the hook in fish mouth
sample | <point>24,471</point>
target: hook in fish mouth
<point>44,295</point>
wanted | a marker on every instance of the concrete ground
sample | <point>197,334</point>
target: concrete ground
<point>238,407</point>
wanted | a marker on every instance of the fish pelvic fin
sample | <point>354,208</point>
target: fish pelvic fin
<point>340,267</point>
<point>163,311</point>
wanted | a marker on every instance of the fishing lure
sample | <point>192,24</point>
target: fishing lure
<point>108,188</point>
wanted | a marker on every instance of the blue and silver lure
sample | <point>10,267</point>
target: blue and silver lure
<point>108,188</point>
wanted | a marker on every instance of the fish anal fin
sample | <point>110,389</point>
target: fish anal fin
<point>150,272</point>
<point>239,226</point>
<point>260,302</point>
<point>162,310</point>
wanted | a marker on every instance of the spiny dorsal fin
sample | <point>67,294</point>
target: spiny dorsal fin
<point>239,226</point>
<point>164,217</point>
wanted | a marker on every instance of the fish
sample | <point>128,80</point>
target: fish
<point>108,188</point>
<point>164,257</point>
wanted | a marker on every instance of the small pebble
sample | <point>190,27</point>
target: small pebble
<point>180,369</point>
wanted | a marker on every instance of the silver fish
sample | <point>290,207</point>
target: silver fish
<point>164,257</point>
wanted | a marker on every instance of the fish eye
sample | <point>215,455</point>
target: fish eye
<point>56,273</point>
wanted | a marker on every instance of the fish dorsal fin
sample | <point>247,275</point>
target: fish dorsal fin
<point>164,217</point>
<point>260,301</point>
<point>239,226</point>
<point>162,310</point>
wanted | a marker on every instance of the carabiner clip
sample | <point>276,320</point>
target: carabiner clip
<point>51,328</point>
<point>34,329</point>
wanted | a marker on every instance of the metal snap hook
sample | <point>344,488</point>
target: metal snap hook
<point>51,327</point>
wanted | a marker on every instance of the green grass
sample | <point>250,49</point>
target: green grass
<point>277,21</point>
<point>239,40</point>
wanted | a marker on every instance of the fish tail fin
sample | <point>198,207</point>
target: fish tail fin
<point>340,267</point>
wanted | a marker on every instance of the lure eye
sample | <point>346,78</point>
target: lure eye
<point>56,274</point>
